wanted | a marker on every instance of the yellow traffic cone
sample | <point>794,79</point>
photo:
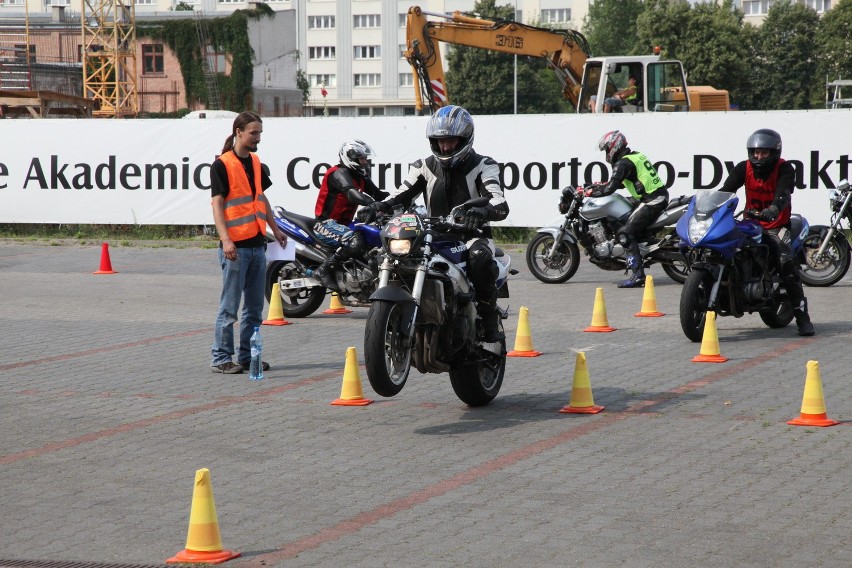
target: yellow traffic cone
<point>813,402</point>
<point>709,352</point>
<point>335,307</point>
<point>351,393</point>
<point>523,340</point>
<point>275,315</point>
<point>649,301</point>
<point>581,401</point>
<point>599,319</point>
<point>203,543</point>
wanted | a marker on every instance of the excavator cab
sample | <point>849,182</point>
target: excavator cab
<point>661,84</point>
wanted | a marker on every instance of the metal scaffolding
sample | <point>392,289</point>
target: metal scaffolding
<point>109,57</point>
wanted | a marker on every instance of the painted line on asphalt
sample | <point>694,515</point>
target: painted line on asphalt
<point>107,349</point>
<point>154,420</point>
<point>387,510</point>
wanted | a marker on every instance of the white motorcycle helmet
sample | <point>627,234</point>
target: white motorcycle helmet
<point>351,153</point>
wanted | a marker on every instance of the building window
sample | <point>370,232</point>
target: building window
<point>320,22</point>
<point>367,21</point>
<point>58,2</point>
<point>556,16</point>
<point>145,2</point>
<point>322,52</point>
<point>326,80</point>
<point>367,80</point>
<point>756,7</point>
<point>321,111</point>
<point>821,6</point>
<point>371,111</point>
<point>152,58</point>
<point>367,52</point>
<point>406,80</point>
<point>402,49</point>
<point>21,53</point>
<point>402,20</point>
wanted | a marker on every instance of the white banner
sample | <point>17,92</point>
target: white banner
<point>157,171</point>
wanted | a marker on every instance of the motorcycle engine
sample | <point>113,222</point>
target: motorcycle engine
<point>597,232</point>
<point>604,247</point>
<point>352,278</point>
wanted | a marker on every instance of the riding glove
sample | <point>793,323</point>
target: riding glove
<point>769,214</point>
<point>475,217</point>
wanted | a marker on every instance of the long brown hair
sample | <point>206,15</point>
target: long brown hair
<point>243,119</point>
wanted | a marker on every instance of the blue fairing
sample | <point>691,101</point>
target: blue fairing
<point>371,233</point>
<point>724,234</point>
<point>454,251</point>
<point>292,230</point>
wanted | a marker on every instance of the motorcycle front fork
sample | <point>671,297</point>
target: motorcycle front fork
<point>557,241</point>
<point>829,237</point>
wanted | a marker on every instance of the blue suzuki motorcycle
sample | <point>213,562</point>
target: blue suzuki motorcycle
<point>731,270</point>
<point>356,277</point>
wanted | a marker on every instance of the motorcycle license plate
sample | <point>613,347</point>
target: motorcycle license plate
<point>296,283</point>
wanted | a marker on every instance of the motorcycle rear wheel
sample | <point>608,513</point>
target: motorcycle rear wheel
<point>780,315</point>
<point>477,384</point>
<point>299,303</point>
<point>694,299</point>
<point>387,349</point>
<point>556,269</point>
<point>829,269</point>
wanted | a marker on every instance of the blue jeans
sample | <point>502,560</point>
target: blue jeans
<point>243,277</point>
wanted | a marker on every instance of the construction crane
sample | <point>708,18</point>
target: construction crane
<point>109,57</point>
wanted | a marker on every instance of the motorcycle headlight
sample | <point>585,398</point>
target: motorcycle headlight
<point>698,228</point>
<point>399,246</point>
<point>835,199</point>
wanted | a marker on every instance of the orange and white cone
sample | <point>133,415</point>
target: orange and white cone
<point>335,307</point>
<point>203,543</point>
<point>351,393</point>
<point>599,319</point>
<point>275,315</point>
<point>581,401</point>
<point>523,339</point>
<point>709,352</point>
<point>813,402</point>
<point>649,301</point>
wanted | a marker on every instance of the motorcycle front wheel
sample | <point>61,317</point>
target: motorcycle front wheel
<point>694,299</point>
<point>387,349</point>
<point>828,269</point>
<point>298,303</point>
<point>556,268</point>
<point>477,383</point>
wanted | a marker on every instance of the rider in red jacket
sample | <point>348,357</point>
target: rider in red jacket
<point>768,182</point>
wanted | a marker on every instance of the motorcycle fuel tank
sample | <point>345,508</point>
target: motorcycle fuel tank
<point>613,206</point>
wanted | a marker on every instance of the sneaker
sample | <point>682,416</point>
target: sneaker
<point>228,368</point>
<point>266,366</point>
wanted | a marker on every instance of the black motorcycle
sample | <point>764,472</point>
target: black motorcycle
<point>826,254</point>
<point>594,223</point>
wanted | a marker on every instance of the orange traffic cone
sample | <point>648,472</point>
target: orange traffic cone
<point>709,352</point>
<point>523,340</point>
<point>649,301</point>
<point>351,393</point>
<point>203,543</point>
<point>813,403</point>
<point>335,307</point>
<point>275,314</point>
<point>106,265</point>
<point>599,320</point>
<point>581,401</point>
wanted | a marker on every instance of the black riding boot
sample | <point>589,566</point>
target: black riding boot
<point>490,321</point>
<point>637,279</point>
<point>803,320</point>
<point>325,272</point>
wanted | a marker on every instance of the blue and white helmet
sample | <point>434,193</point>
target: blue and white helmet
<point>451,122</point>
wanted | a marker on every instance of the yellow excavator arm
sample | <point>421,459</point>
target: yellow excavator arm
<point>564,50</point>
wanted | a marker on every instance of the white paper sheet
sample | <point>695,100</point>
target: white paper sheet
<point>274,251</point>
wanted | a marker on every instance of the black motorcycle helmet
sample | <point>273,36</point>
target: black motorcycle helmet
<point>765,139</point>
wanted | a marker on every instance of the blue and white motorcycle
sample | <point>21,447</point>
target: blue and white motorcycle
<point>731,271</point>
<point>356,277</point>
<point>424,310</point>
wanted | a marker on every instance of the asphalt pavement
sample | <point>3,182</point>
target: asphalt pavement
<point>108,408</point>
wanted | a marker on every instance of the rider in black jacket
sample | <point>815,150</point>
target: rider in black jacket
<point>452,175</point>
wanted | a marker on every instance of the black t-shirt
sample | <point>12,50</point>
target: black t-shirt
<point>219,186</point>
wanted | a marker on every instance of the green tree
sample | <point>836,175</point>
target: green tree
<point>482,81</point>
<point>834,43</point>
<point>662,24</point>
<point>784,69</point>
<point>610,27</point>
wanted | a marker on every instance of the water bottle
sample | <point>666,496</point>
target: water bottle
<point>256,365</point>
